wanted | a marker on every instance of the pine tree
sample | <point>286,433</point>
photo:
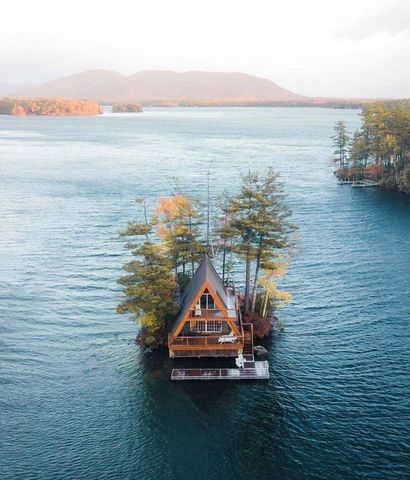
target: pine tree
<point>271,226</point>
<point>149,283</point>
<point>259,226</point>
<point>224,232</point>
<point>242,208</point>
<point>149,286</point>
<point>340,142</point>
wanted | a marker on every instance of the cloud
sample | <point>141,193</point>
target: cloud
<point>392,19</point>
<point>316,47</point>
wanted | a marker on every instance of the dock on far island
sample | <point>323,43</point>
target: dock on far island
<point>359,183</point>
<point>252,370</point>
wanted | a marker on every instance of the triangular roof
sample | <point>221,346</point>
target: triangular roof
<point>205,273</point>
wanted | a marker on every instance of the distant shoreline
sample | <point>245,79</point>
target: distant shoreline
<point>47,106</point>
<point>321,103</point>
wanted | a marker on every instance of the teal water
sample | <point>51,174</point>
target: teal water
<point>78,398</point>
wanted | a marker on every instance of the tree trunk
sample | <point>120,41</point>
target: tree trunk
<point>247,282</point>
<point>265,304</point>
<point>255,285</point>
<point>146,218</point>
<point>223,263</point>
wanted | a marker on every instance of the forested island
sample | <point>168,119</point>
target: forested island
<point>48,106</point>
<point>119,107</point>
<point>251,229</point>
<point>380,149</point>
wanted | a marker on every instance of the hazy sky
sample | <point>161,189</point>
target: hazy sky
<point>358,48</point>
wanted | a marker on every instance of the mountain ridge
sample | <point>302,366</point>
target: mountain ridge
<point>154,85</point>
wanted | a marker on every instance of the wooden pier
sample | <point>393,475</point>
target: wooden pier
<point>252,370</point>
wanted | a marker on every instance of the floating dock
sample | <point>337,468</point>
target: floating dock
<point>252,370</point>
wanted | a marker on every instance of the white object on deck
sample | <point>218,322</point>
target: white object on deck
<point>240,361</point>
<point>230,338</point>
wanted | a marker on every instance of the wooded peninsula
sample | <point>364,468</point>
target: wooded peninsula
<point>380,149</point>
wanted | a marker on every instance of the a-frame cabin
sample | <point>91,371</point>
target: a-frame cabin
<point>209,321</point>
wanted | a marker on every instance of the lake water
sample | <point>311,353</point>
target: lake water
<point>78,398</point>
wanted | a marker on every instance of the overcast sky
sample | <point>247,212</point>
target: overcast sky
<point>354,48</point>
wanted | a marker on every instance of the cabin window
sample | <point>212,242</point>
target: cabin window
<point>207,301</point>
<point>208,327</point>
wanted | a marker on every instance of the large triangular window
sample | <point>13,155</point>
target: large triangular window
<point>207,301</point>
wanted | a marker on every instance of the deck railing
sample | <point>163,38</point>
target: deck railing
<point>204,341</point>
<point>212,314</point>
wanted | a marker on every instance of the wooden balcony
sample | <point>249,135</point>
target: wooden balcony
<point>203,342</point>
<point>204,346</point>
<point>212,314</point>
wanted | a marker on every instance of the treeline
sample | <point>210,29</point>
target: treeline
<point>169,240</point>
<point>308,102</point>
<point>380,149</point>
<point>120,107</point>
<point>48,106</point>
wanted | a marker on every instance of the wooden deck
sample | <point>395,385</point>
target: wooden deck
<point>252,370</point>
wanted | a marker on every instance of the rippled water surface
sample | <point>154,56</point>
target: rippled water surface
<point>78,398</point>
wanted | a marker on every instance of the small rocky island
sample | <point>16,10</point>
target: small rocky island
<point>48,106</point>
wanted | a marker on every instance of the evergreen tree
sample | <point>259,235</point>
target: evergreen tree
<point>224,232</point>
<point>260,227</point>
<point>271,226</point>
<point>242,208</point>
<point>149,287</point>
<point>149,284</point>
<point>340,142</point>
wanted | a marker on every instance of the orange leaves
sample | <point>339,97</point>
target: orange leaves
<point>173,207</point>
<point>174,214</point>
<point>374,171</point>
<point>48,106</point>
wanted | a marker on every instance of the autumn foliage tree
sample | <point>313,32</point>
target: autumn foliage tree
<point>48,106</point>
<point>167,248</point>
<point>178,221</point>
